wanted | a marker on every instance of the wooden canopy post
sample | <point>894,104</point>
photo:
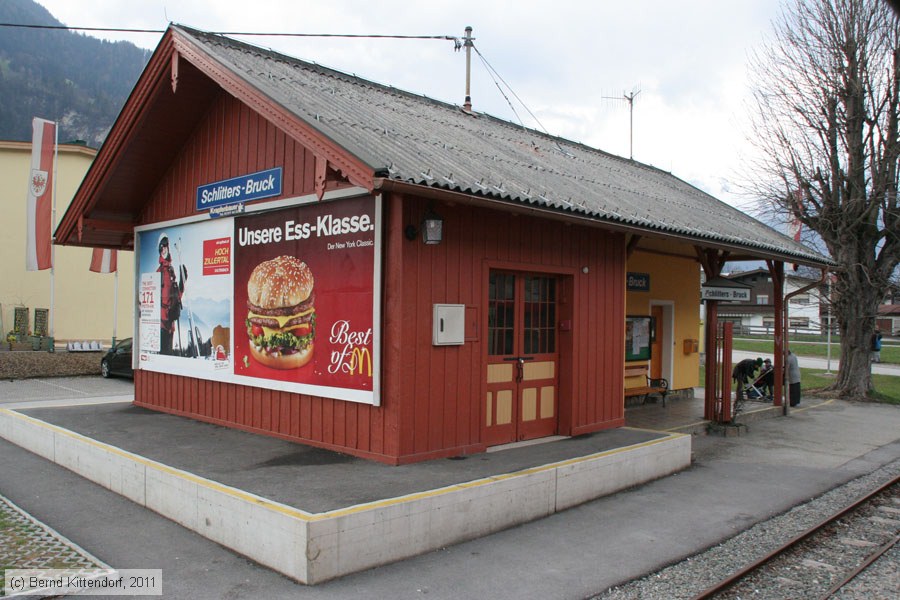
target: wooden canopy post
<point>710,381</point>
<point>726,414</point>
<point>712,262</point>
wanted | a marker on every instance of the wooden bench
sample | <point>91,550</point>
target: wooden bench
<point>654,386</point>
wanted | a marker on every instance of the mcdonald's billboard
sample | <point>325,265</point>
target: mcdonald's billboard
<point>283,299</point>
<point>305,282</point>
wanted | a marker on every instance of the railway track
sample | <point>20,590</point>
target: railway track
<point>822,560</point>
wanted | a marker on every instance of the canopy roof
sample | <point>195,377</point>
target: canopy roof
<point>374,133</point>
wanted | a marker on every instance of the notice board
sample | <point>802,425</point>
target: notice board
<point>638,337</point>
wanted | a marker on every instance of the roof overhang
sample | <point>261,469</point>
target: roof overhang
<point>184,77</point>
<point>173,93</point>
<point>143,142</point>
<point>735,252</point>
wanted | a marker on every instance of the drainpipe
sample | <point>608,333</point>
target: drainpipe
<point>787,301</point>
<point>776,269</point>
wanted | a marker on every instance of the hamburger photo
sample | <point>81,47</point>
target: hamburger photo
<point>281,322</point>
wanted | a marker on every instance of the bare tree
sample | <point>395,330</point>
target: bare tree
<point>827,123</point>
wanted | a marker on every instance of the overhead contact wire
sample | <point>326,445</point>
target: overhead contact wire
<point>492,71</point>
<point>452,38</point>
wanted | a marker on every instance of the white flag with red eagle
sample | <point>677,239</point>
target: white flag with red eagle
<point>795,227</point>
<point>39,207</point>
<point>104,260</point>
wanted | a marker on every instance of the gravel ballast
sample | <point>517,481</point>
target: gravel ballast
<point>695,574</point>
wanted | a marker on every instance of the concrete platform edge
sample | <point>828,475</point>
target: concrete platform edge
<point>312,548</point>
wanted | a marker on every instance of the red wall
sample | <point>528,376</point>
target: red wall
<point>432,397</point>
<point>441,389</point>
<point>232,140</point>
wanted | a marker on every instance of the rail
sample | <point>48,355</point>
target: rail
<point>757,565</point>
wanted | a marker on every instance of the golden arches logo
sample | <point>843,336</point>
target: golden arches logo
<point>356,360</point>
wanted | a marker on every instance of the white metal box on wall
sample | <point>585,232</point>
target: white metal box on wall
<point>449,326</point>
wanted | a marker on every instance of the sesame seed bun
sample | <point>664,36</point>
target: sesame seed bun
<point>280,282</point>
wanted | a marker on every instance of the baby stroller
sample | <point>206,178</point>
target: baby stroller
<point>760,388</point>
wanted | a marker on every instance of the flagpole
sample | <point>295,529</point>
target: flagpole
<point>53,229</point>
<point>115,306</point>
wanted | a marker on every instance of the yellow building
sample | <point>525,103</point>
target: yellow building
<point>664,284</point>
<point>83,300</point>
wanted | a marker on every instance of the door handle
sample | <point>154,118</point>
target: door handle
<point>520,365</point>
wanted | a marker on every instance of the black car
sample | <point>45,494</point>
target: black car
<point>117,360</point>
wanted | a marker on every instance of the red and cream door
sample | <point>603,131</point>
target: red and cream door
<point>656,341</point>
<point>522,363</point>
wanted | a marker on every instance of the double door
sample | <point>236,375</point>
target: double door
<point>522,370</point>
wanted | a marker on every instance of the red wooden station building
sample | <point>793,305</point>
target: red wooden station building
<point>343,264</point>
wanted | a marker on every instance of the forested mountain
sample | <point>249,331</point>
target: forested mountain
<point>79,81</point>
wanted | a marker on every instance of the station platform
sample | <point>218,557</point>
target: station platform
<point>314,514</point>
<point>685,415</point>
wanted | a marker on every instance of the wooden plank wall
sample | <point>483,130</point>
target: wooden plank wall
<point>442,388</point>
<point>233,140</point>
<point>432,397</point>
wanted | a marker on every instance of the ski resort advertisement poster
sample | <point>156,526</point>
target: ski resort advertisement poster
<point>184,296</point>
<point>305,301</point>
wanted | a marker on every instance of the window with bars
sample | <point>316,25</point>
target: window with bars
<point>540,315</point>
<point>501,313</point>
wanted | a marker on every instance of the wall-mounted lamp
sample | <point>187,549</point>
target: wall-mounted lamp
<point>432,229</point>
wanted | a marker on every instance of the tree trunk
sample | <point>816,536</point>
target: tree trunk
<point>828,126</point>
<point>855,309</point>
<point>855,375</point>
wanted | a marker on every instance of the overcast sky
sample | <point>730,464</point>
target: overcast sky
<point>688,60</point>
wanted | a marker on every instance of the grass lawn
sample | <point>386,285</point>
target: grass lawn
<point>889,354</point>
<point>887,387</point>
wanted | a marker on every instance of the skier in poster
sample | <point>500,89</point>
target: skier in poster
<point>172,289</point>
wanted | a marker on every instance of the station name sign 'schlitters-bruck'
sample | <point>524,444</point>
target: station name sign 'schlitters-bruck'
<point>263,184</point>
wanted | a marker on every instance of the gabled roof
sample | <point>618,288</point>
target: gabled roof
<point>745,274</point>
<point>889,310</point>
<point>741,275</point>
<point>372,131</point>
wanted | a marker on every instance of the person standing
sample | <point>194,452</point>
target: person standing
<point>172,289</point>
<point>792,374</point>
<point>876,346</point>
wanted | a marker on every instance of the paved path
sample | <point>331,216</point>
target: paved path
<point>809,362</point>
<point>64,391</point>
<point>733,483</point>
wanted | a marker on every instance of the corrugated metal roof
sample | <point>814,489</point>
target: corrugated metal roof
<point>418,140</point>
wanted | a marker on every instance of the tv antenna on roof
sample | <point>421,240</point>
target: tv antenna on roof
<point>629,98</point>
